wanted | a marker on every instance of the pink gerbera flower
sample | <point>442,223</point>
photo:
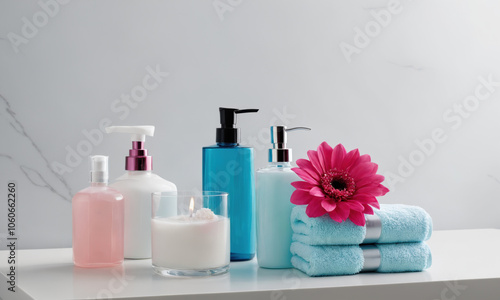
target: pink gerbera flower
<point>343,184</point>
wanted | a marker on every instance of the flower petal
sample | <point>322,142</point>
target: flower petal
<point>314,209</point>
<point>354,205</point>
<point>374,190</point>
<point>301,197</point>
<point>302,185</point>
<point>368,210</point>
<point>328,204</point>
<point>313,157</point>
<point>317,192</point>
<point>362,170</point>
<point>374,179</point>
<point>371,189</point>
<point>383,190</point>
<point>349,159</point>
<point>334,215</point>
<point>343,210</point>
<point>362,159</point>
<point>324,155</point>
<point>376,205</point>
<point>357,218</point>
<point>304,175</point>
<point>338,155</point>
<point>308,167</point>
<point>364,198</point>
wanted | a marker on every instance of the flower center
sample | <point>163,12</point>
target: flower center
<point>338,184</point>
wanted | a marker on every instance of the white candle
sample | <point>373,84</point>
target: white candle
<point>192,242</point>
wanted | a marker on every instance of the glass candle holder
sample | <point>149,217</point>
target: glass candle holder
<point>190,234</point>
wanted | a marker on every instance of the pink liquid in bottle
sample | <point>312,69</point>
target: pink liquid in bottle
<point>98,221</point>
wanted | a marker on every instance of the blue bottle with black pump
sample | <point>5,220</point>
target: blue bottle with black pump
<point>229,167</point>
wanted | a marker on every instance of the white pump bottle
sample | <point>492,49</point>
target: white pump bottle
<point>136,186</point>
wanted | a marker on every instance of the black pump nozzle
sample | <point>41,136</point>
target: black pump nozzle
<point>227,133</point>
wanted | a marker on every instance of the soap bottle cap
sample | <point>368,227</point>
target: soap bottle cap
<point>279,152</point>
<point>98,169</point>
<point>227,133</point>
<point>138,159</point>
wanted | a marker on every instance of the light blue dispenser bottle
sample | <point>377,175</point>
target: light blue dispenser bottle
<point>229,167</point>
<point>274,189</point>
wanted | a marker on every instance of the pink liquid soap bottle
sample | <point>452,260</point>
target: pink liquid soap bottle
<point>98,214</point>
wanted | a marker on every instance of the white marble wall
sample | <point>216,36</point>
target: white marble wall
<point>377,75</point>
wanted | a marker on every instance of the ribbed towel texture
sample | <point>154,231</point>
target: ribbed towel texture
<point>347,260</point>
<point>323,247</point>
<point>400,223</point>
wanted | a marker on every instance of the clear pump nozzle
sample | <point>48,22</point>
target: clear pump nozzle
<point>279,152</point>
<point>98,169</point>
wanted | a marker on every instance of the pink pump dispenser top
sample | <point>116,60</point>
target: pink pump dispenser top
<point>138,159</point>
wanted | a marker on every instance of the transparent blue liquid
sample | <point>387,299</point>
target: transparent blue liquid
<point>229,168</point>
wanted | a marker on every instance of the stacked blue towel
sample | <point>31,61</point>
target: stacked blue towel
<point>347,260</point>
<point>324,247</point>
<point>400,224</point>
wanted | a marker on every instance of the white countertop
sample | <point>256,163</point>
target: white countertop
<point>466,265</point>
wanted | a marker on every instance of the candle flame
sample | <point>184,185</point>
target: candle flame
<point>191,207</point>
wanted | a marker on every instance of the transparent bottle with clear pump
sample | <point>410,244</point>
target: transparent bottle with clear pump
<point>273,206</point>
<point>98,220</point>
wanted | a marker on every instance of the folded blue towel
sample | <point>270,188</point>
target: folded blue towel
<point>347,260</point>
<point>400,223</point>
